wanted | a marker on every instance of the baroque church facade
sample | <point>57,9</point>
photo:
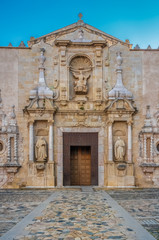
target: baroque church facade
<point>79,107</point>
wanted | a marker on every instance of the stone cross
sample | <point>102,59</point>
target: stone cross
<point>80,15</point>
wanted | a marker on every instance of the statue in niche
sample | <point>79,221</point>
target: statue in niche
<point>80,82</point>
<point>119,149</point>
<point>80,68</point>
<point>41,150</point>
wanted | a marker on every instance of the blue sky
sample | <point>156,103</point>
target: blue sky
<point>135,20</point>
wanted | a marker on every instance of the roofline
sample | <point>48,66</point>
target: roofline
<point>79,24</point>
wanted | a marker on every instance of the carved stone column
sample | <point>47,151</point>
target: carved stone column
<point>31,141</point>
<point>145,148</point>
<point>9,151</point>
<point>51,141</point>
<point>15,149</point>
<point>151,149</point>
<point>110,142</point>
<point>130,142</point>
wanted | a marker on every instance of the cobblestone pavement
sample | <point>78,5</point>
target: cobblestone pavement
<point>72,214</point>
<point>16,204</point>
<point>78,215</point>
<point>143,204</point>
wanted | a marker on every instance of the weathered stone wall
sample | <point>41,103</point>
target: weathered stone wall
<point>19,74</point>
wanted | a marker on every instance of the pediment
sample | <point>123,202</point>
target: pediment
<point>120,105</point>
<point>81,35</point>
<point>40,106</point>
<point>73,33</point>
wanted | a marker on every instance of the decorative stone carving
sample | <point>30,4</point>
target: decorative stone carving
<point>56,60</point>
<point>41,150</point>
<point>137,46</point>
<point>119,149</point>
<point>149,47</point>
<point>81,34</point>
<point>119,90</point>
<point>107,61</point>
<point>98,56</point>
<point>80,68</point>
<point>81,82</point>
<point>42,91</point>
<point>40,166</point>
<point>22,44</point>
<point>98,93</point>
<point>9,145</point>
<point>148,145</point>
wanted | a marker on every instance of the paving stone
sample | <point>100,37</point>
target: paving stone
<point>79,215</point>
<point>143,204</point>
<point>16,204</point>
<point>76,215</point>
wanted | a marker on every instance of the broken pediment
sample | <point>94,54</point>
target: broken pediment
<point>120,105</point>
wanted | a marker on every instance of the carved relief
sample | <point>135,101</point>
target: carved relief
<point>81,68</point>
<point>63,55</point>
<point>98,94</point>
<point>98,56</point>
<point>63,93</point>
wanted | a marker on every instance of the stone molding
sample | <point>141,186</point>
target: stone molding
<point>59,162</point>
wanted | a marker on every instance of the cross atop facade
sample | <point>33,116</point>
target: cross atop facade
<point>80,15</point>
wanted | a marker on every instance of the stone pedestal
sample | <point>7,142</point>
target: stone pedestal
<point>120,174</point>
<point>41,174</point>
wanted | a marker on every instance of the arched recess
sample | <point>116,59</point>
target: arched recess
<point>80,76</point>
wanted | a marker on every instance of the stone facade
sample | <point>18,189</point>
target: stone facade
<point>79,80</point>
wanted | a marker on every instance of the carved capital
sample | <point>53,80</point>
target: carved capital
<point>31,121</point>
<point>50,121</point>
<point>130,122</point>
<point>110,122</point>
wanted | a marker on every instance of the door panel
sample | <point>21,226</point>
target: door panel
<point>80,165</point>
<point>74,168</point>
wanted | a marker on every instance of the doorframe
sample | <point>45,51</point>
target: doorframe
<point>101,150</point>
<point>80,139</point>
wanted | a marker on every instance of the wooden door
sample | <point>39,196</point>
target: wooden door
<point>80,165</point>
<point>71,140</point>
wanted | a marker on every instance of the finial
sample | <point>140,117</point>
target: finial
<point>42,58</point>
<point>149,47</point>
<point>13,116</point>
<point>148,115</point>
<point>119,59</point>
<point>22,44</point>
<point>137,46</point>
<point>32,38</point>
<point>80,15</point>
<point>10,45</point>
<point>127,41</point>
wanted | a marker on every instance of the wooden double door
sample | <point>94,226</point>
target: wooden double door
<point>80,159</point>
<point>80,165</point>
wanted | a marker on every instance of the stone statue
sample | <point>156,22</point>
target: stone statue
<point>119,149</point>
<point>80,34</point>
<point>81,82</point>
<point>41,150</point>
